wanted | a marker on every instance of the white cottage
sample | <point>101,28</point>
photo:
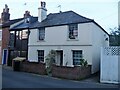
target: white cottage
<point>70,34</point>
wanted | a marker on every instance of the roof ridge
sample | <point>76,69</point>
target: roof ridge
<point>22,18</point>
<point>60,12</point>
<point>16,19</point>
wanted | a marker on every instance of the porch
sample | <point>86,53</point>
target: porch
<point>18,45</point>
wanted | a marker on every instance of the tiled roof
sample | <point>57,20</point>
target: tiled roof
<point>24,25</point>
<point>55,19</point>
<point>62,18</point>
<point>10,22</point>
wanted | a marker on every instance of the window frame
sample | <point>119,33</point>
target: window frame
<point>39,57</point>
<point>41,38</point>
<point>78,57</point>
<point>73,31</point>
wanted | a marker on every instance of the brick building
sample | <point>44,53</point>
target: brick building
<point>5,17</point>
<point>6,22</point>
<point>14,40</point>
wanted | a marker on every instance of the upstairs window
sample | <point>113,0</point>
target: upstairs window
<point>73,31</point>
<point>41,33</point>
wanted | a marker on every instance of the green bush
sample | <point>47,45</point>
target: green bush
<point>50,59</point>
<point>83,62</point>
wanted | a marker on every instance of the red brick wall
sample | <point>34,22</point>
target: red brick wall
<point>33,67</point>
<point>5,40</point>
<point>71,72</point>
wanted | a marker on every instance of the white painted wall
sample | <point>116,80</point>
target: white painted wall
<point>59,36</point>
<point>110,72</point>
<point>98,41</point>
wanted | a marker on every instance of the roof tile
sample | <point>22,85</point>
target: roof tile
<point>62,18</point>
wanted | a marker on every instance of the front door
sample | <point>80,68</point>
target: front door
<point>5,56</point>
<point>60,57</point>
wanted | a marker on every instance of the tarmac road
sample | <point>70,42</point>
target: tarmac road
<point>11,79</point>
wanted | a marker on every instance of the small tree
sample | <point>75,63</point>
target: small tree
<point>115,36</point>
<point>50,59</point>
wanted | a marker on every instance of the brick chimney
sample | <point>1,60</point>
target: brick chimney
<point>5,16</point>
<point>42,12</point>
<point>27,14</point>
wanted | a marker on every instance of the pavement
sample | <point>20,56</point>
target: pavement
<point>13,79</point>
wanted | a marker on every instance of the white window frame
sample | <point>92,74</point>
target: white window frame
<point>74,31</point>
<point>41,33</point>
<point>77,57</point>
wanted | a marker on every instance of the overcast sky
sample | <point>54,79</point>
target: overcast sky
<point>104,12</point>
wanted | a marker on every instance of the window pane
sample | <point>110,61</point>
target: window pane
<point>77,56</point>
<point>73,31</point>
<point>40,55</point>
<point>41,33</point>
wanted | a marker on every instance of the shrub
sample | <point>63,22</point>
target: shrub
<point>83,62</point>
<point>50,59</point>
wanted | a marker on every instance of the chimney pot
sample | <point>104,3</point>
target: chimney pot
<point>5,16</point>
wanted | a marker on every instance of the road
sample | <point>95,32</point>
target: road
<point>11,79</point>
<point>0,77</point>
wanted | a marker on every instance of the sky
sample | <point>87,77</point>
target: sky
<point>104,12</point>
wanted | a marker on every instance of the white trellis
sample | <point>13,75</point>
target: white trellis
<point>110,65</point>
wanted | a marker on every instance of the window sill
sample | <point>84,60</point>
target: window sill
<point>77,65</point>
<point>72,39</point>
<point>41,41</point>
<point>41,62</point>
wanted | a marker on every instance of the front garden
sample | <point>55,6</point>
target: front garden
<point>50,68</point>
